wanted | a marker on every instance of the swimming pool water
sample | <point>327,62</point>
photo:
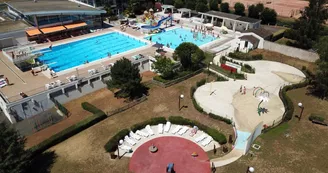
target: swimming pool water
<point>175,37</point>
<point>73,54</point>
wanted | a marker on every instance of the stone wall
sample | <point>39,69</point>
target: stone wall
<point>291,51</point>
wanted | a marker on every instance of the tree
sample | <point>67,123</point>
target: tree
<point>191,4</point>
<point>126,77</point>
<point>214,5</point>
<point>224,7</point>
<point>322,48</point>
<point>201,6</point>
<point>189,55</point>
<point>164,66</point>
<point>269,16</point>
<point>178,4</point>
<point>239,9</point>
<point>254,11</point>
<point>13,156</point>
<point>169,2</point>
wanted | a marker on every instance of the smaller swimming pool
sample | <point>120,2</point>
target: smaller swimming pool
<point>173,38</point>
<point>241,139</point>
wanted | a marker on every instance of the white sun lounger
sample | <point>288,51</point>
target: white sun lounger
<point>129,140</point>
<point>134,136</point>
<point>149,130</point>
<point>183,130</point>
<point>167,127</point>
<point>160,128</point>
<point>141,133</point>
<point>126,148</point>
<point>200,138</point>
<point>207,141</point>
<point>177,128</point>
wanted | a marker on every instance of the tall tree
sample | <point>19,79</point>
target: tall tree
<point>13,157</point>
<point>269,16</point>
<point>201,6</point>
<point>239,9</point>
<point>164,66</point>
<point>322,48</point>
<point>224,7</point>
<point>214,5</point>
<point>126,77</point>
<point>190,55</point>
<point>191,4</point>
<point>254,11</point>
<point>178,3</point>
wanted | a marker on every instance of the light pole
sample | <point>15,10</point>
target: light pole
<point>302,108</point>
<point>250,169</point>
<point>180,98</point>
<point>208,70</point>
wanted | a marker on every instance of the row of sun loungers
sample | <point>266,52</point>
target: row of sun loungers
<point>55,84</point>
<point>133,138</point>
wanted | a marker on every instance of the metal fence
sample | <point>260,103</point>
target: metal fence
<point>175,81</point>
<point>128,106</point>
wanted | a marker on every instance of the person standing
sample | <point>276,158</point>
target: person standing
<point>244,90</point>
<point>241,89</point>
<point>7,81</point>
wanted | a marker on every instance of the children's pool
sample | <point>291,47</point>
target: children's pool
<point>173,38</point>
<point>66,56</point>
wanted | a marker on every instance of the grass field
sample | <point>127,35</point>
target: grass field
<point>293,147</point>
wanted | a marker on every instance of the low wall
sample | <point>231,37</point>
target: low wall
<point>291,51</point>
<point>7,42</point>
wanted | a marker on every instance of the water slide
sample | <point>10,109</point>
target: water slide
<point>158,24</point>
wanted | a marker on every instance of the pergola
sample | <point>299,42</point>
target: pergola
<point>164,7</point>
<point>184,10</point>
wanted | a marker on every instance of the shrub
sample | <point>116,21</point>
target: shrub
<point>60,106</point>
<point>152,121</point>
<point>91,108</point>
<point>197,107</point>
<point>201,82</point>
<point>160,79</point>
<point>192,91</point>
<point>216,135</point>
<point>245,56</point>
<point>217,117</point>
<point>67,133</point>
<point>316,118</point>
<point>221,78</point>
<point>112,144</point>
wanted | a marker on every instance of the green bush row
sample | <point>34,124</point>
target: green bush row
<point>215,134</point>
<point>160,79</point>
<point>245,56</point>
<point>60,106</point>
<point>288,103</point>
<point>218,77</point>
<point>91,108</point>
<point>226,120</point>
<point>67,133</point>
<point>112,144</point>
<point>316,118</point>
<point>152,121</point>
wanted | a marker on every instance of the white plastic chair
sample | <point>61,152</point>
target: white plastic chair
<point>200,138</point>
<point>183,130</point>
<point>141,133</point>
<point>134,136</point>
<point>177,128</point>
<point>160,128</point>
<point>129,140</point>
<point>47,86</point>
<point>59,83</point>
<point>167,127</point>
<point>149,130</point>
<point>126,148</point>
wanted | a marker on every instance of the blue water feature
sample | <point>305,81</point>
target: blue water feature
<point>66,56</point>
<point>173,38</point>
<point>158,24</point>
<point>241,139</point>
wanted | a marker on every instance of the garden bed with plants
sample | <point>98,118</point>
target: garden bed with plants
<point>244,67</point>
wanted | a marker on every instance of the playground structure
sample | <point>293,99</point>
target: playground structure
<point>150,22</point>
<point>263,96</point>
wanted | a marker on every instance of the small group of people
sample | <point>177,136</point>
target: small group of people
<point>242,91</point>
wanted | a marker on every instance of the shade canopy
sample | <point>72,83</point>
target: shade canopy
<point>75,25</point>
<point>52,29</point>
<point>33,32</point>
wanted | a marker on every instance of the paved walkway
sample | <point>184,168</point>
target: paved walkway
<point>227,101</point>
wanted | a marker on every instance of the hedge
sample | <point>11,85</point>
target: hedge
<point>111,145</point>
<point>316,118</point>
<point>215,134</point>
<point>152,121</point>
<point>91,108</point>
<point>67,133</point>
<point>60,106</point>
<point>245,56</point>
<point>226,120</point>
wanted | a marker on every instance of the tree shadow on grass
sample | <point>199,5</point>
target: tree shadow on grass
<point>43,163</point>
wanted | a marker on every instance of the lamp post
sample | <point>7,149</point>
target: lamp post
<point>208,70</point>
<point>180,98</point>
<point>120,142</point>
<point>300,105</point>
<point>250,169</point>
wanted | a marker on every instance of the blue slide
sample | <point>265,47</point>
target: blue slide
<point>158,24</point>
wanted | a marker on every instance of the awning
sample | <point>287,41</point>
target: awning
<point>75,25</point>
<point>52,29</point>
<point>33,32</point>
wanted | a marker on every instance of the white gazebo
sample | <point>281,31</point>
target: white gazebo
<point>184,10</point>
<point>164,7</point>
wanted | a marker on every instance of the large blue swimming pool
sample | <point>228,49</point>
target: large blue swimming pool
<point>73,54</point>
<point>173,38</point>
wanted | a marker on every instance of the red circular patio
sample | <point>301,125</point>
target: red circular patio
<point>170,150</point>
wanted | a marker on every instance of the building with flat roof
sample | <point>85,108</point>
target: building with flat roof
<point>45,13</point>
<point>231,21</point>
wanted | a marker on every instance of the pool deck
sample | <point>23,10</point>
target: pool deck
<point>29,84</point>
